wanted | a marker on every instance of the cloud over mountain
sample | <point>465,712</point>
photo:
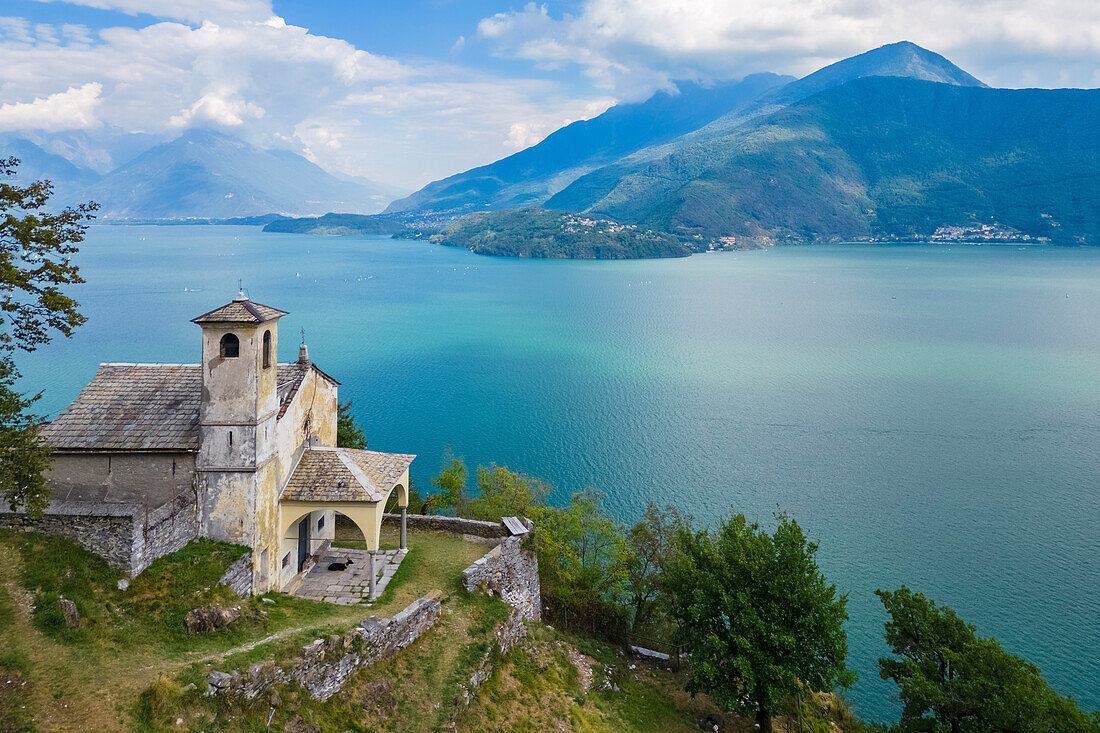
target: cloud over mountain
<point>631,46</point>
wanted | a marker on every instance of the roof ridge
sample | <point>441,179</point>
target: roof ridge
<point>359,475</point>
<point>253,310</point>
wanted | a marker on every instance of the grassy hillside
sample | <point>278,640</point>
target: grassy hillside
<point>129,665</point>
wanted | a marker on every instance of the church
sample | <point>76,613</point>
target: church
<point>236,447</point>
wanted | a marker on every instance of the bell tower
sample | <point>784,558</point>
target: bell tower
<point>237,418</point>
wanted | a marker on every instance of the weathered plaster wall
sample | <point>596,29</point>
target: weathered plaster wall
<point>316,400</point>
<point>140,477</point>
<point>228,505</point>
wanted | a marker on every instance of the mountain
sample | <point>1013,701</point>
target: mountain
<point>36,164</point>
<point>205,174</point>
<point>877,157</point>
<point>895,142</point>
<point>533,175</point>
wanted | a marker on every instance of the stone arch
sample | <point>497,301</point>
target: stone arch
<point>367,516</point>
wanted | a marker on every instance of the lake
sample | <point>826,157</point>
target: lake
<point>929,414</point>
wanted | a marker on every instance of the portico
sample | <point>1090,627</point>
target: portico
<point>355,483</point>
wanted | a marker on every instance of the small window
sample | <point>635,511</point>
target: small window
<point>286,560</point>
<point>321,522</point>
<point>231,346</point>
<point>267,349</point>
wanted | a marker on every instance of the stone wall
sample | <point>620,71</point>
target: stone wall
<point>127,535</point>
<point>506,635</point>
<point>325,665</point>
<point>510,572</point>
<point>238,576</point>
<point>165,529</point>
<point>105,528</point>
<point>507,570</point>
<point>457,525</point>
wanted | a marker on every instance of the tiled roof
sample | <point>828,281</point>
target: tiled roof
<point>146,407</point>
<point>240,310</point>
<point>345,474</point>
<point>132,407</point>
<point>290,378</point>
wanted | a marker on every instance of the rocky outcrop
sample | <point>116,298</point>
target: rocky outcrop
<point>207,618</point>
<point>69,612</point>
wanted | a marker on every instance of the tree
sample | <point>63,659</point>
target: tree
<point>451,483</point>
<point>348,432</point>
<point>652,544</point>
<point>36,249</point>
<point>502,492</point>
<point>760,620</point>
<point>583,559</point>
<point>952,680</point>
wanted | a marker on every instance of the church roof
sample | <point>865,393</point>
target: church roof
<point>345,474</point>
<point>133,407</point>
<point>240,310</point>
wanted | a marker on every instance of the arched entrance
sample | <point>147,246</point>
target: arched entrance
<point>307,529</point>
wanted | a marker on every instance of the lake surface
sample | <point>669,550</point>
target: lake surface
<point>929,414</point>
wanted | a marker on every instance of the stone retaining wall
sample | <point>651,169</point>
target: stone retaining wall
<point>510,572</point>
<point>325,665</point>
<point>238,576</point>
<point>128,536</point>
<point>457,525</point>
<point>105,528</point>
<point>506,635</point>
<point>165,529</point>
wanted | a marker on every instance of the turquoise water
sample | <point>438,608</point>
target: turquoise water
<point>930,415</point>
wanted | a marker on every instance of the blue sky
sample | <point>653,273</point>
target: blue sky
<point>408,91</point>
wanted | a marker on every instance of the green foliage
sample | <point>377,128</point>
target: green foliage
<point>23,457</point>
<point>584,561</point>
<point>36,249</point>
<point>539,233</point>
<point>502,492</point>
<point>652,544</point>
<point>761,620</point>
<point>348,432</point>
<point>451,482</point>
<point>951,680</point>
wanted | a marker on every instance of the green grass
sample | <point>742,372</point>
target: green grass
<point>14,715</point>
<point>128,640</point>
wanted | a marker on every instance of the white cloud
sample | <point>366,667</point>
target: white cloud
<point>634,46</point>
<point>275,85</point>
<point>73,109</point>
<point>195,11</point>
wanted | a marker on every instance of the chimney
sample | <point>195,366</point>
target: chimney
<point>303,355</point>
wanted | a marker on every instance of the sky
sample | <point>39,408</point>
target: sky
<point>408,91</point>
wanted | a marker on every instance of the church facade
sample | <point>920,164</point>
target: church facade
<point>236,447</point>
